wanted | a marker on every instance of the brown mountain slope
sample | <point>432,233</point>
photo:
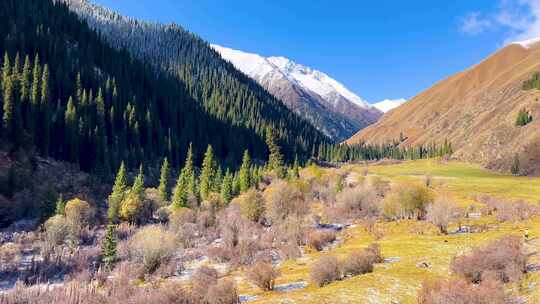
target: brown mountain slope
<point>476,111</point>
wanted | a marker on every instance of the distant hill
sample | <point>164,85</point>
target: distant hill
<point>476,110</point>
<point>326,103</point>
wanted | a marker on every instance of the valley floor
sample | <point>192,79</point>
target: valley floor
<point>414,251</point>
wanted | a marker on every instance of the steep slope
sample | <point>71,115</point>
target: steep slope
<point>326,103</point>
<point>476,111</point>
<point>221,90</point>
<point>389,104</point>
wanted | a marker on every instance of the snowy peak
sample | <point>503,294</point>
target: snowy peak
<point>527,43</point>
<point>389,104</point>
<point>259,67</point>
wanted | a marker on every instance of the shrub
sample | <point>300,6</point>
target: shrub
<point>362,262</point>
<point>504,258</point>
<point>10,257</point>
<point>136,209</point>
<point>79,212</point>
<point>56,230</point>
<point>263,275</point>
<point>325,271</point>
<point>317,239</point>
<point>284,200</point>
<point>442,213</point>
<point>224,292</point>
<point>207,288</point>
<point>408,201</point>
<point>251,205</point>
<point>459,292</point>
<point>355,203</point>
<point>151,246</point>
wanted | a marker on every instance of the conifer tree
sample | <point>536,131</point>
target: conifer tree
<point>60,205</point>
<point>25,90</point>
<point>44,112</point>
<point>8,119</point>
<point>34,95</point>
<point>133,207</point>
<point>179,198</point>
<point>226,187</point>
<point>71,131</point>
<point>296,168</point>
<point>236,184</point>
<point>515,168</point>
<point>245,173</point>
<point>275,159</point>
<point>185,185</point>
<point>118,193</point>
<point>163,188</point>
<point>207,173</point>
<point>108,247</point>
<point>6,70</point>
<point>218,180</point>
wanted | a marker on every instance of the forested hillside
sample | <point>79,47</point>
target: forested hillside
<point>75,98</point>
<point>223,91</point>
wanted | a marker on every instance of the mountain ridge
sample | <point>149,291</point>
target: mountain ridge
<point>325,102</point>
<point>475,110</point>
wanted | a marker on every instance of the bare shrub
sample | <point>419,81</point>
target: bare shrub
<point>284,200</point>
<point>504,257</point>
<point>354,203</point>
<point>407,201</point>
<point>460,292</point>
<point>151,246</point>
<point>224,292</point>
<point>125,230</point>
<point>377,185</point>
<point>362,262</point>
<point>317,239</point>
<point>202,279</point>
<point>442,213</point>
<point>514,211</point>
<point>56,230</point>
<point>325,270</point>
<point>163,214</point>
<point>263,275</point>
<point>207,288</point>
<point>10,257</point>
<point>251,205</point>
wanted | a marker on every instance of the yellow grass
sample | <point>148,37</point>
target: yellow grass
<point>413,242</point>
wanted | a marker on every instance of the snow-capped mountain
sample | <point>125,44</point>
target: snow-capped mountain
<point>389,104</point>
<point>325,102</point>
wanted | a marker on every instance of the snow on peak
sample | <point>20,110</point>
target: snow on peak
<point>527,43</point>
<point>389,104</point>
<point>258,67</point>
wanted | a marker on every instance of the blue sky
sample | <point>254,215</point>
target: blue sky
<point>378,49</point>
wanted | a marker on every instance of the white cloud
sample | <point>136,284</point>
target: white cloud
<point>474,24</point>
<point>520,19</point>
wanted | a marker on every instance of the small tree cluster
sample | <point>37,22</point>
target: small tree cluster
<point>263,275</point>
<point>408,201</point>
<point>523,118</point>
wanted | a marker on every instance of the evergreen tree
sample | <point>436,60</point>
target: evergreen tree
<point>185,185</point>
<point>296,169</point>
<point>118,193</point>
<point>34,95</point>
<point>515,168</point>
<point>44,134</point>
<point>25,91</point>
<point>245,173</point>
<point>207,173</point>
<point>108,247</point>
<point>179,198</point>
<point>138,185</point>
<point>275,159</point>
<point>236,184</point>
<point>8,119</point>
<point>218,180</point>
<point>60,205</point>
<point>164,180</point>
<point>71,131</point>
<point>226,187</point>
<point>6,70</point>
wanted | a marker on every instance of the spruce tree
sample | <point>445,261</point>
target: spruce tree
<point>296,168</point>
<point>6,70</point>
<point>45,112</point>
<point>226,187</point>
<point>185,185</point>
<point>163,188</point>
<point>275,159</point>
<point>25,91</point>
<point>108,247</point>
<point>245,173</point>
<point>207,173</point>
<point>60,205</point>
<point>34,95</point>
<point>8,118</point>
<point>118,193</point>
<point>179,198</point>
<point>189,176</point>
